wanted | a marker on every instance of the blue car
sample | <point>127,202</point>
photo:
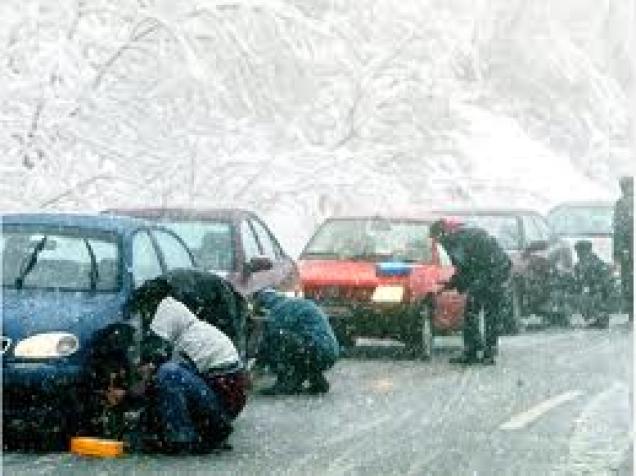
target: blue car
<point>67,280</point>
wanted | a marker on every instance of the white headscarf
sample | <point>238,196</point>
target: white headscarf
<point>203,343</point>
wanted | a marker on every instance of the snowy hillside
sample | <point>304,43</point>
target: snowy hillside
<point>301,109</point>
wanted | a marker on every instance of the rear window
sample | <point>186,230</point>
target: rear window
<point>505,228</point>
<point>571,221</point>
<point>209,241</point>
<point>61,258</point>
<point>371,239</point>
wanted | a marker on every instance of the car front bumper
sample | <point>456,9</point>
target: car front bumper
<point>370,319</point>
<point>32,390</point>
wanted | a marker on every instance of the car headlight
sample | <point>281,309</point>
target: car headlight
<point>388,294</point>
<point>51,344</point>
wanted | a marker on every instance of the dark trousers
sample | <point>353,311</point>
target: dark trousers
<point>627,286</point>
<point>190,410</point>
<point>491,302</point>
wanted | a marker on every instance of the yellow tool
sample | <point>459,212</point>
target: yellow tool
<point>89,446</point>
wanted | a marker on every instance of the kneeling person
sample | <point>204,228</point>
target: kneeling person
<point>199,382</point>
<point>298,344</point>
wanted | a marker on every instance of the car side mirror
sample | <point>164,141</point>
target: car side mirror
<point>537,245</point>
<point>259,263</point>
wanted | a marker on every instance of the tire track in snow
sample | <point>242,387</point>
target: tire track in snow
<point>601,438</point>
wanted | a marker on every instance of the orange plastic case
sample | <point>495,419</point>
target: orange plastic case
<point>87,446</point>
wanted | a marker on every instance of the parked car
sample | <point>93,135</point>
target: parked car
<point>540,261</point>
<point>573,221</point>
<point>67,280</point>
<point>380,277</point>
<point>235,244</point>
<point>593,221</point>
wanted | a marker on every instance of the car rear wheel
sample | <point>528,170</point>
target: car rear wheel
<point>421,339</point>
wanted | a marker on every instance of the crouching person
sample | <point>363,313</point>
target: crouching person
<point>198,381</point>
<point>298,344</point>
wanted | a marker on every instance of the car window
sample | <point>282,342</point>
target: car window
<point>78,260</point>
<point>580,220</point>
<point>211,242</point>
<point>265,240</point>
<point>371,239</point>
<point>543,228</point>
<point>175,255</point>
<point>444,259</point>
<point>505,228</point>
<point>250,245</point>
<point>145,262</point>
<point>530,230</point>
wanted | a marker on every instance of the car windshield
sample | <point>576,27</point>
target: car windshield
<point>571,221</point>
<point>210,242</point>
<point>371,239</point>
<point>503,227</point>
<point>60,258</point>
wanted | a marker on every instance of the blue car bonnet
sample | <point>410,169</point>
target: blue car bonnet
<point>27,313</point>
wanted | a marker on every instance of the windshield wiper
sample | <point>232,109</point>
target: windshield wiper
<point>94,272</point>
<point>19,281</point>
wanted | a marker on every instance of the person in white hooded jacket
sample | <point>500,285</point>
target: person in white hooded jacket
<point>199,381</point>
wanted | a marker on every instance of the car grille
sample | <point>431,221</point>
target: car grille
<point>339,293</point>
<point>6,343</point>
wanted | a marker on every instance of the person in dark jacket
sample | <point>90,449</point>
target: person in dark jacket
<point>298,344</point>
<point>592,281</point>
<point>624,242</point>
<point>482,268</point>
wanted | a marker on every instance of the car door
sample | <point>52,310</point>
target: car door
<point>249,281</point>
<point>173,252</point>
<point>449,304</point>
<point>146,263</point>
<point>283,273</point>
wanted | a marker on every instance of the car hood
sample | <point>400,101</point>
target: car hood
<point>28,312</point>
<point>338,273</point>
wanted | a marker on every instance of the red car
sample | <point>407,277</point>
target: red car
<point>381,277</point>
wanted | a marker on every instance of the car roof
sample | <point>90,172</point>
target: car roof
<point>424,218</point>
<point>98,222</point>
<point>487,211</point>
<point>584,204</point>
<point>154,213</point>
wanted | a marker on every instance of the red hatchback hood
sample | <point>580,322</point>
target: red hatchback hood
<point>422,279</point>
<point>338,273</point>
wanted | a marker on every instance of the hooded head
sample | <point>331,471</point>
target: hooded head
<point>443,227</point>
<point>627,185</point>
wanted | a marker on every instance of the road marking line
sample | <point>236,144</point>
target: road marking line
<point>525,418</point>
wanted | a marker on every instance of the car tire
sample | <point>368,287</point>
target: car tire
<point>343,334</point>
<point>421,338</point>
<point>511,323</point>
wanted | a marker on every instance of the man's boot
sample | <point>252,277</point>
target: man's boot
<point>489,356</point>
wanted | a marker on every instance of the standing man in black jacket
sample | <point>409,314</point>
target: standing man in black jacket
<point>624,241</point>
<point>482,268</point>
